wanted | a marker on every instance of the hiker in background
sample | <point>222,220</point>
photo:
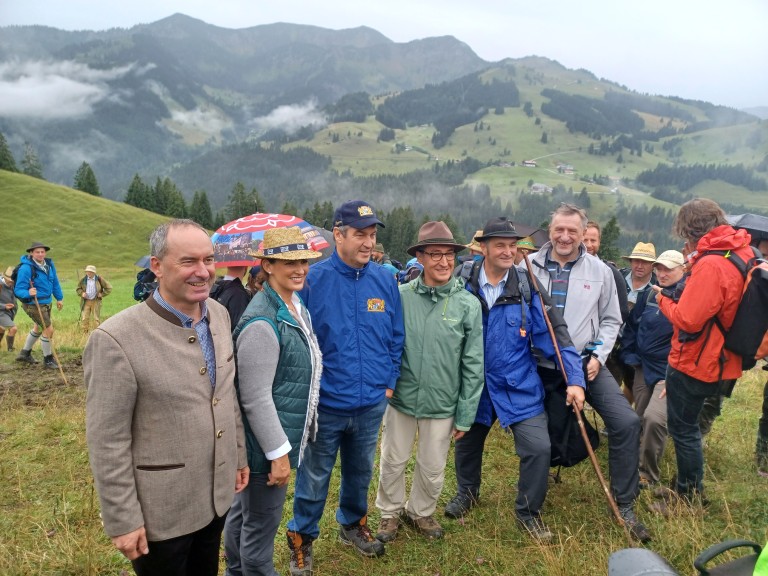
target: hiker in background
<point>699,365</point>
<point>524,247</point>
<point>36,286</point>
<point>636,278</point>
<point>438,390</point>
<point>278,383</point>
<point>645,345</point>
<point>230,293</point>
<point>8,308</point>
<point>165,435</point>
<point>256,279</point>
<point>592,236</point>
<point>91,289</point>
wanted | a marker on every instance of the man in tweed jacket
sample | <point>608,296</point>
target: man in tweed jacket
<point>163,425</point>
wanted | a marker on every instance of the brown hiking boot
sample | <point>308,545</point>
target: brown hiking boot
<point>387,529</point>
<point>427,525</point>
<point>361,537</point>
<point>26,356</point>
<point>301,554</point>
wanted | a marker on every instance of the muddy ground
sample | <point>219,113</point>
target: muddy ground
<point>33,385</point>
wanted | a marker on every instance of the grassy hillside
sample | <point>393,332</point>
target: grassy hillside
<point>80,229</point>
<point>511,137</point>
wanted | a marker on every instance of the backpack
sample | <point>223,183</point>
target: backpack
<point>748,336</point>
<point>145,284</point>
<point>15,276</point>
<point>568,448</point>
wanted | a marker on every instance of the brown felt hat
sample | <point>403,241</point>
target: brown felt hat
<point>435,233</point>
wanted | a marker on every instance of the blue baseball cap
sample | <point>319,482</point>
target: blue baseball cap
<point>355,213</point>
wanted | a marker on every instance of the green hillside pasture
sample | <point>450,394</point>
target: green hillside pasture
<point>728,145</point>
<point>80,229</point>
<point>50,522</point>
<point>724,192</point>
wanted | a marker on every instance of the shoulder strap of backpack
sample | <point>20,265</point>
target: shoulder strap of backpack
<point>525,285</point>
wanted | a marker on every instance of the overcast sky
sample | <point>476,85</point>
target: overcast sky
<point>715,51</point>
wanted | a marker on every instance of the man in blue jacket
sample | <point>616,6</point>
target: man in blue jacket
<point>36,286</point>
<point>356,314</point>
<point>513,321</point>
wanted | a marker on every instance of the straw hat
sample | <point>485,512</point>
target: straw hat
<point>285,244</point>
<point>90,268</point>
<point>643,251</point>
<point>475,245</point>
<point>526,243</point>
<point>8,272</point>
<point>435,234</point>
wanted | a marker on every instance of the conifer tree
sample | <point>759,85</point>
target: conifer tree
<point>200,209</point>
<point>30,164</point>
<point>239,204</point>
<point>609,249</point>
<point>7,161</point>
<point>85,180</point>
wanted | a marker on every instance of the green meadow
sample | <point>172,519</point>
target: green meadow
<point>49,511</point>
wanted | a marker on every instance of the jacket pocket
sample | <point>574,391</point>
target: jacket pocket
<point>158,467</point>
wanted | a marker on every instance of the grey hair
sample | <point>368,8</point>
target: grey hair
<point>343,229</point>
<point>158,240</point>
<point>566,209</point>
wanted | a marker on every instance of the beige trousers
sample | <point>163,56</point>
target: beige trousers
<point>397,439</point>
<point>90,307</point>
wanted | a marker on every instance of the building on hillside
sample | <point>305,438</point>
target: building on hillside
<point>538,188</point>
<point>529,163</point>
<point>565,169</point>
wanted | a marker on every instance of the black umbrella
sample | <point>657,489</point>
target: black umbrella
<point>756,225</point>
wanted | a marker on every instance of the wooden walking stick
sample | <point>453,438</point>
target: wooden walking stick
<point>577,411</point>
<point>53,350</point>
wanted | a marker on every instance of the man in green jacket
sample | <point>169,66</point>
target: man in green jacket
<point>441,378</point>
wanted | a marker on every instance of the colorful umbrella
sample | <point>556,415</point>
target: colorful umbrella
<point>235,242</point>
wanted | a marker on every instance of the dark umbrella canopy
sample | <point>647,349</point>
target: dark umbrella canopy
<point>235,243</point>
<point>756,225</point>
<point>143,262</point>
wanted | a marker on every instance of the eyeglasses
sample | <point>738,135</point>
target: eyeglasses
<point>437,256</point>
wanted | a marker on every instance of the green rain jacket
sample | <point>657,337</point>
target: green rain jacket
<point>441,374</point>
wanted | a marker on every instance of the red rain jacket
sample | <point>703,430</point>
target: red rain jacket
<point>714,288</point>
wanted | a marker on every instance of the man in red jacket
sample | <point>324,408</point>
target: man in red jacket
<point>699,366</point>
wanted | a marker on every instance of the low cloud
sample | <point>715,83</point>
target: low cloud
<point>209,121</point>
<point>290,118</point>
<point>55,90</point>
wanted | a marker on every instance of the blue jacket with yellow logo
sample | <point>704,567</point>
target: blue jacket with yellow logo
<point>358,320</point>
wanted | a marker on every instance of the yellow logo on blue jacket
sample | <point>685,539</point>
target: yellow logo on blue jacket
<point>376,305</point>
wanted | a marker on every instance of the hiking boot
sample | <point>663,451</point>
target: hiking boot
<point>9,340</point>
<point>462,503</point>
<point>636,528</point>
<point>50,363</point>
<point>388,529</point>
<point>427,525</point>
<point>26,356</point>
<point>301,554</point>
<point>536,528</point>
<point>361,537</point>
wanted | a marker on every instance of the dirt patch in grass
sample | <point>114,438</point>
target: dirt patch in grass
<point>33,385</point>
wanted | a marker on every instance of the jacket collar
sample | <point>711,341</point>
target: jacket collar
<point>345,269</point>
<point>448,289</point>
<point>167,315</point>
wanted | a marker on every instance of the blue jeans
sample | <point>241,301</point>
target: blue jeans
<point>355,438</point>
<point>685,398</point>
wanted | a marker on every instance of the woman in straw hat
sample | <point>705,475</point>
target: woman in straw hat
<point>278,380</point>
